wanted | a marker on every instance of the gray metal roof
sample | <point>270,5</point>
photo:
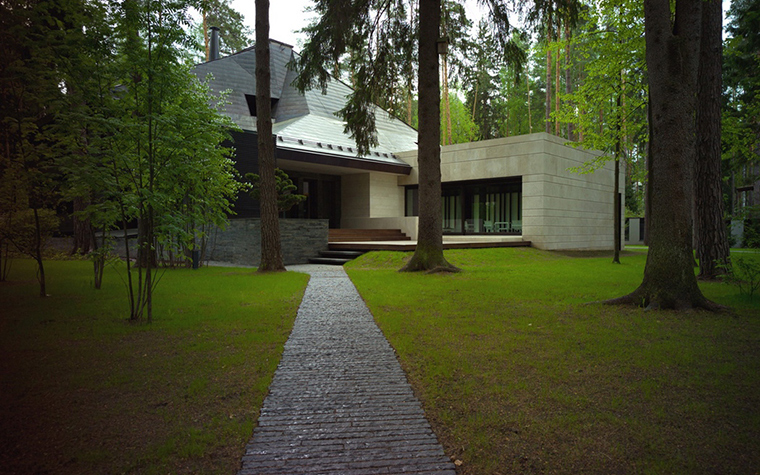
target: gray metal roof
<point>303,122</point>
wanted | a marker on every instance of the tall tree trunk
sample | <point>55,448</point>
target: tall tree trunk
<point>448,101</point>
<point>205,35</point>
<point>475,98</point>
<point>530,120</point>
<point>712,241</point>
<point>271,253</point>
<point>429,252</point>
<point>616,200</point>
<point>672,51</point>
<point>410,75</point>
<point>547,116</point>
<point>82,229</point>
<point>557,85</point>
<point>446,105</point>
<point>648,165</point>
<point>38,254</point>
<point>568,85</point>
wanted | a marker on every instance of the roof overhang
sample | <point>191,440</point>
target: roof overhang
<point>331,160</point>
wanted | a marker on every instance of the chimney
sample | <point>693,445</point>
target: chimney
<point>214,44</point>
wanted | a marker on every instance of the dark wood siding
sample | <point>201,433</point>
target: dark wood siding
<point>246,161</point>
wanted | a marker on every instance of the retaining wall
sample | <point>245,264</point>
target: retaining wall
<point>240,242</point>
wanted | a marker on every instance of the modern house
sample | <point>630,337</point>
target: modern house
<point>516,188</point>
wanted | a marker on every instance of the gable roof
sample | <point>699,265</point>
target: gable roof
<point>305,123</point>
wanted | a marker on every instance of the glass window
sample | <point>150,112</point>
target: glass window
<point>412,201</point>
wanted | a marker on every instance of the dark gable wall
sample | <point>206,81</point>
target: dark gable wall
<point>246,161</point>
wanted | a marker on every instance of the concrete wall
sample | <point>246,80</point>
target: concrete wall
<point>240,243</point>
<point>635,236</point>
<point>562,209</point>
<point>370,195</point>
<point>386,197</point>
<point>354,197</point>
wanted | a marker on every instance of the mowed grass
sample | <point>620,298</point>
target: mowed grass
<point>519,374</point>
<point>84,391</point>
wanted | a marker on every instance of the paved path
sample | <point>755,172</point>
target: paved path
<point>339,401</point>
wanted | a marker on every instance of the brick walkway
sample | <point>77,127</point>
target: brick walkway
<point>339,401</point>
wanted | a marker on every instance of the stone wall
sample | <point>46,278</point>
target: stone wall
<point>240,242</point>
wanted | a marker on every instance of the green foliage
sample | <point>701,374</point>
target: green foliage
<point>376,44</point>
<point>143,135</point>
<point>286,199</point>
<point>634,201</point>
<point>741,105</point>
<point>21,229</point>
<point>378,53</point>
<point>463,129</point>
<point>744,274</point>
<point>234,35</point>
<point>480,78</point>
<point>751,237</point>
<point>608,107</point>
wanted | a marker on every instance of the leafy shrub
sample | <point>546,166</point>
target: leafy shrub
<point>744,274</point>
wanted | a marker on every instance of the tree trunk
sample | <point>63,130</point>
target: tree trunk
<point>672,62</point>
<point>205,35</point>
<point>557,85</point>
<point>547,121</point>
<point>38,254</point>
<point>712,241</point>
<point>271,253</point>
<point>616,200</point>
<point>447,139</point>
<point>648,164</point>
<point>429,252</point>
<point>530,120</point>
<point>568,85</point>
<point>82,232</point>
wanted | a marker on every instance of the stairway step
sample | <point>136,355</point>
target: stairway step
<point>334,261</point>
<point>354,235</point>
<point>341,254</point>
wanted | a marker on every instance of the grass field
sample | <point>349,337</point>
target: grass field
<point>519,374</point>
<point>83,391</point>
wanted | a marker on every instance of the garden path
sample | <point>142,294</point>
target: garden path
<point>339,401</point>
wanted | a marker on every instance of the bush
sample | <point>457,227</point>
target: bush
<point>744,274</point>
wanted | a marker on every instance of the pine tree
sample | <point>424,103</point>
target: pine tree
<point>672,39</point>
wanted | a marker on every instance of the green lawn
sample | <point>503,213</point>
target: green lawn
<point>83,391</point>
<point>518,374</point>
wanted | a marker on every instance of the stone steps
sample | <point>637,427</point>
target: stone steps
<point>337,258</point>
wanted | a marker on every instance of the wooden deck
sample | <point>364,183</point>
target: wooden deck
<point>449,242</point>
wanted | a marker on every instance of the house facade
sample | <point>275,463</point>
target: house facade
<point>518,186</point>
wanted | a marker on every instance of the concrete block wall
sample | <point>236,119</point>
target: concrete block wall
<point>566,209</point>
<point>354,196</point>
<point>240,242</point>
<point>562,209</point>
<point>370,195</point>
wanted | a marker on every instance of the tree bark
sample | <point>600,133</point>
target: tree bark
<point>429,252</point>
<point>38,254</point>
<point>557,85</point>
<point>82,228</point>
<point>712,240</point>
<point>447,138</point>
<point>530,120</point>
<point>547,115</point>
<point>568,85</point>
<point>672,52</point>
<point>616,200</point>
<point>271,252</point>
